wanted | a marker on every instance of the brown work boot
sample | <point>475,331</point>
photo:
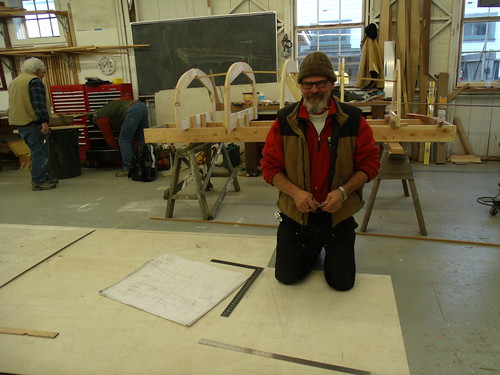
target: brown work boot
<point>122,173</point>
<point>43,186</point>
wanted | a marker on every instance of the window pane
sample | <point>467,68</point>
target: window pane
<point>481,36</point>
<point>493,36</point>
<point>351,11</point>
<point>41,25</point>
<point>329,12</point>
<point>19,26</point>
<point>29,5</point>
<point>55,27</point>
<point>337,44</point>
<point>307,43</point>
<point>482,66</point>
<point>472,10</point>
<point>307,12</point>
<point>45,27</point>
<point>41,5</point>
<point>335,41</point>
<point>32,27</point>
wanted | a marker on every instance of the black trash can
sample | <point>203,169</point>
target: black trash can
<point>64,156</point>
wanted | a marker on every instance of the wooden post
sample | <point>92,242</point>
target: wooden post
<point>341,74</point>
<point>440,152</point>
<point>385,24</point>
<point>463,136</point>
<point>413,50</point>
<point>424,54</point>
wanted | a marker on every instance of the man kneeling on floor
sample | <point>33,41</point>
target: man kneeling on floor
<point>319,153</point>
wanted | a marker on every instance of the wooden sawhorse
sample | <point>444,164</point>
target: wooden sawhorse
<point>395,167</point>
<point>187,155</point>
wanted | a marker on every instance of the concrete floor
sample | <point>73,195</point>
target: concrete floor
<point>446,284</point>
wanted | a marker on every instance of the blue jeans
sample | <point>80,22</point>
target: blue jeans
<point>39,147</point>
<point>133,126</point>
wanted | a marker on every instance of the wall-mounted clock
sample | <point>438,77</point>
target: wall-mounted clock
<point>106,65</point>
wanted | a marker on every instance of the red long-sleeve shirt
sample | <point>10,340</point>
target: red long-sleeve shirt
<point>365,159</point>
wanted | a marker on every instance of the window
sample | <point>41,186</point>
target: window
<point>480,49</point>
<point>40,25</point>
<point>331,26</point>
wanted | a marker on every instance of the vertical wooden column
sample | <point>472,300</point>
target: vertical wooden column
<point>440,148</point>
<point>413,51</point>
<point>424,54</point>
<point>385,26</point>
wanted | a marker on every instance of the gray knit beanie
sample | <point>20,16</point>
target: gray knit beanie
<point>316,64</point>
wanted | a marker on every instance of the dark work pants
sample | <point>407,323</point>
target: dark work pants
<point>299,246</point>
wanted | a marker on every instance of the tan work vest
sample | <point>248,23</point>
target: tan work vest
<point>21,110</point>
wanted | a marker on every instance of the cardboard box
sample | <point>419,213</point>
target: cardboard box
<point>22,152</point>
<point>18,147</point>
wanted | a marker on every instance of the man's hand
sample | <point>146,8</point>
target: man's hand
<point>333,201</point>
<point>304,201</point>
<point>45,128</point>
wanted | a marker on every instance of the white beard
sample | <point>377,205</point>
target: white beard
<point>317,106</point>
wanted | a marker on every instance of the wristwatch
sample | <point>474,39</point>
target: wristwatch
<point>344,193</point>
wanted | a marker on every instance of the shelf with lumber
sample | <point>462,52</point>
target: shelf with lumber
<point>58,50</point>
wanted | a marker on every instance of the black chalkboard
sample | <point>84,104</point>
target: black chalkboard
<point>206,43</point>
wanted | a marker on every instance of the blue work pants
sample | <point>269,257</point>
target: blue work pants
<point>133,126</point>
<point>39,147</point>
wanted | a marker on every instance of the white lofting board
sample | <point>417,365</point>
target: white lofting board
<point>356,330</point>
<point>23,246</point>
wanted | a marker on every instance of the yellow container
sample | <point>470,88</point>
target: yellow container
<point>248,97</point>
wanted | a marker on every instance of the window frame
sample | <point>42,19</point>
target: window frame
<point>20,22</point>
<point>465,38</point>
<point>324,26</point>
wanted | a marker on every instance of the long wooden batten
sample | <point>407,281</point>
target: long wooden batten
<point>242,126</point>
<point>257,131</point>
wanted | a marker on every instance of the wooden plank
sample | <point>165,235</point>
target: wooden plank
<point>414,133</point>
<point>413,49</point>
<point>465,159</point>
<point>441,89</point>
<point>424,54</point>
<point>28,332</point>
<point>463,136</point>
<point>385,32</point>
<point>457,92</point>
<point>394,148</point>
<point>382,133</point>
<point>402,49</point>
<point>440,152</point>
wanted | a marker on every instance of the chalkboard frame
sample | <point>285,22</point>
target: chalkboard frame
<point>211,44</point>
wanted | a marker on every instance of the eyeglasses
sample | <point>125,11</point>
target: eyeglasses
<point>309,85</point>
